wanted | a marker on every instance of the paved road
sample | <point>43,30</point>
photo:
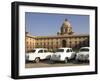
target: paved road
<point>48,63</point>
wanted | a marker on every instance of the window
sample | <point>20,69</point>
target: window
<point>83,50</point>
<point>48,43</point>
<point>75,42</point>
<point>45,51</point>
<point>40,51</point>
<point>68,50</point>
<point>26,42</point>
<point>60,50</point>
<point>51,43</point>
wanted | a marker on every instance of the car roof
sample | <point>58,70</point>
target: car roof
<point>84,47</point>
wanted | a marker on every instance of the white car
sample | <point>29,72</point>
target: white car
<point>83,54</point>
<point>63,54</point>
<point>38,54</point>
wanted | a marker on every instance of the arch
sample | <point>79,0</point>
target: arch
<point>63,43</point>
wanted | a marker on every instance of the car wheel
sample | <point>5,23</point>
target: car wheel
<point>37,59</point>
<point>66,60</point>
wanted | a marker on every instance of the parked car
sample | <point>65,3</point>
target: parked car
<point>38,54</point>
<point>83,54</point>
<point>63,54</point>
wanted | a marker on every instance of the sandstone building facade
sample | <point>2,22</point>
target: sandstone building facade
<point>65,38</point>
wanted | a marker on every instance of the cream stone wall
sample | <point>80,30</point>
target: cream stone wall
<point>54,42</point>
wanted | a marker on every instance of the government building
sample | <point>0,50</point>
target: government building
<point>65,38</point>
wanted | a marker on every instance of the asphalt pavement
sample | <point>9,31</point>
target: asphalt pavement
<point>48,63</point>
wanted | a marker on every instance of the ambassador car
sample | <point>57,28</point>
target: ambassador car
<point>38,54</point>
<point>63,54</point>
<point>83,54</point>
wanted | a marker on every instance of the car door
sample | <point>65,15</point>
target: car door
<point>69,52</point>
<point>41,54</point>
<point>47,54</point>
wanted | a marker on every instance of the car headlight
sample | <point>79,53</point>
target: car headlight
<point>87,56</point>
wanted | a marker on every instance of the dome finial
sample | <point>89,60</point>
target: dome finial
<point>66,19</point>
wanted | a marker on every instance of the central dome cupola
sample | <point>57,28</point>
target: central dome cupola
<point>66,28</point>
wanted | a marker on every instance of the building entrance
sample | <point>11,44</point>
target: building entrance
<point>63,43</point>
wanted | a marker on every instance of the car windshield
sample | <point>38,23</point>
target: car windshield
<point>60,50</point>
<point>84,50</point>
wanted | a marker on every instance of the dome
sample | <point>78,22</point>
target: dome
<point>66,28</point>
<point>66,23</point>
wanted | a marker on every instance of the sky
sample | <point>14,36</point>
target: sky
<point>46,24</point>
